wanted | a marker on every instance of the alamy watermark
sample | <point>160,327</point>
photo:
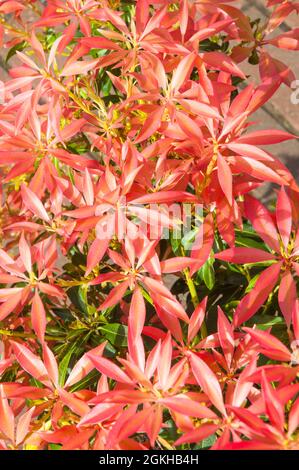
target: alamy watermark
<point>295,94</point>
<point>156,221</point>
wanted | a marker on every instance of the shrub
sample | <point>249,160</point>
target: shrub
<point>148,297</point>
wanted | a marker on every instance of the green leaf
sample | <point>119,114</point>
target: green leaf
<point>74,349</point>
<point>206,443</point>
<point>188,239</point>
<point>63,313</point>
<point>254,58</point>
<point>55,446</point>
<point>116,334</point>
<point>252,283</point>
<point>64,364</point>
<point>78,296</point>
<point>263,322</point>
<point>87,381</point>
<point>13,50</point>
<point>207,273</point>
<point>175,244</point>
<point>170,431</point>
<point>106,86</point>
<point>249,243</point>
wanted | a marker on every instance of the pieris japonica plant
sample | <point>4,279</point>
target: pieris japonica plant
<point>148,297</point>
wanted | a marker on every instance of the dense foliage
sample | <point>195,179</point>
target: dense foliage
<point>148,298</point>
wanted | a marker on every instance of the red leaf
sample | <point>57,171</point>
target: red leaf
<point>31,363</point>
<point>10,304</point>
<point>177,264</point>
<point>287,296</point>
<point>7,421</point>
<point>197,319</point>
<point>284,216</point>
<point>242,255</point>
<point>207,381</point>
<point>50,364</point>
<point>115,295</point>
<point>84,365</point>
<point>265,137</point>
<point>198,435</point>
<point>257,296</point>
<point>25,253</point>
<point>137,313</point>
<point>289,40</point>
<point>38,317</point>
<point>226,336</point>
<point>80,67</point>
<point>23,426</point>
<point>188,407</point>
<point>107,367</point>
<point>161,197</point>
<point>274,408</point>
<point>95,253</point>
<point>151,125</point>
<point>32,203</point>
<point>182,71</point>
<point>218,60</point>
<point>269,342</point>
<point>164,364</point>
<point>225,178</point>
<point>262,221</point>
<point>75,404</point>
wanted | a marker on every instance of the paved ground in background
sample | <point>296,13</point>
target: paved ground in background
<point>280,112</point>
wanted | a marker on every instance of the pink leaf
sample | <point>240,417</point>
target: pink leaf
<point>262,221</point>
<point>188,407</point>
<point>197,435</point>
<point>207,381</point>
<point>25,253</point>
<point>23,426</point>
<point>107,367</point>
<point>50,364</point>
<point>225,178</point>
<point>289,40</point>
<point>257,296</point>
<point>243,255</point>
<point>84,365</point>
<point>287,296</point>
<point>30,363</point>
<point>226,336</point>
<point>265,137</point>
<point>32,203</point>
<point>95,253</point>
<point>269,342</point>
<point>115,295</point>
<point>38,317</point>
<point>7,421</point>
<point>137,313</point>
<point>79,68</point>
<point>274,407</point>
<point>197,319</point>
<point>164,364</point>
<point>284,216</point>
<point>182,71</point>
<point>151,125</point>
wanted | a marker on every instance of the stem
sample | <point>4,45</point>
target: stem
<point>191,287</point>
<point>19,334</point>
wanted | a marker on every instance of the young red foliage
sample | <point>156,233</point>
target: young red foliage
<point>147,299</point>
